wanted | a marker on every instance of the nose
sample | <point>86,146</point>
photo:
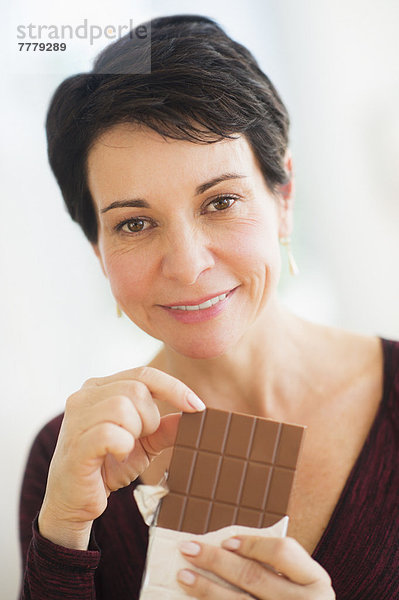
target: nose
<point>186,256</point>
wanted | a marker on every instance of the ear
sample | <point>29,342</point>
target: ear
<point>286,200</point>
<point>100,258</point>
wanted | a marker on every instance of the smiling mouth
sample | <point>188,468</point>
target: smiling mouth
<point>203,306</point>
<point>208,303</point>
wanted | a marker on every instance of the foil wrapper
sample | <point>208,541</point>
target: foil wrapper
<point>148,498</point>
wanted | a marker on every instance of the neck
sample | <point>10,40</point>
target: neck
<point>261,375</point>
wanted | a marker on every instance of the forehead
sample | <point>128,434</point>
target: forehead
<point>128,154</point>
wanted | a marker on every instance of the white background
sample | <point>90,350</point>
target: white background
<point>336,66</point>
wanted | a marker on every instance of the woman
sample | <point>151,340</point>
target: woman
<point>181,179</point>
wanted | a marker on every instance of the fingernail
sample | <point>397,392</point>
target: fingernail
<point>189,548</point>
<point>231,544</point>
<point>186,577</point>
<point>195,402</point>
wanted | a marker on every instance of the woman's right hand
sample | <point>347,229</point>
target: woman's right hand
<point>111,431</point>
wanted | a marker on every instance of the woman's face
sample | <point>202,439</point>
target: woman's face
<point>183,225</point>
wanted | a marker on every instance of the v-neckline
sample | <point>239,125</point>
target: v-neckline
<point>386,345</point>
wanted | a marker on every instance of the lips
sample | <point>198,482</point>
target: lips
<point>200,304</point>
<point>200,311</point>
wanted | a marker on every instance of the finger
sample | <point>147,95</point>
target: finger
<point>198,586</point>
<point>285,555</point>
<point>139,401</point>
<point>103,439</point>
<point>246,574</point>
<point>164,437</point>
<point>128,396</point>
<point>161,385</point>
<point>118,410</point>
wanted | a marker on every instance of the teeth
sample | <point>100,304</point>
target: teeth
<point>206,304</point>
<point>191,307</point>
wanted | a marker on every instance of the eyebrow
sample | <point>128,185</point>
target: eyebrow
<point>205,186</point>
<point>138,203</point>
<point>141,203</point>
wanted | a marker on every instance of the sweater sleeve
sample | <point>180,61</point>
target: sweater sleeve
<point>49,570</point>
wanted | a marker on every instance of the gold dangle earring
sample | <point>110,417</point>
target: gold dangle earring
<point>286,241</point>
<point>118,311</point>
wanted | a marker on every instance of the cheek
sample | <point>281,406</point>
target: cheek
<point>129,276</point>
<point>257,260</point>
<point>254,246</point>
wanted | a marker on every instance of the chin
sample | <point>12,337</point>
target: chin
<point>204,349</point>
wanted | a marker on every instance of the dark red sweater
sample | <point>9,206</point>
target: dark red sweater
<point>359,548</point>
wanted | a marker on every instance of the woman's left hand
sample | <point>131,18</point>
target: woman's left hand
<point>244,561</point>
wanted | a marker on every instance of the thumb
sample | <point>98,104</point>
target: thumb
<point>164,437</point>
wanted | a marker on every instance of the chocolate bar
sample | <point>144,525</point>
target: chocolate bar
<point>229,469</point>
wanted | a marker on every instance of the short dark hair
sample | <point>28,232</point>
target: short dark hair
<point>202,87</point>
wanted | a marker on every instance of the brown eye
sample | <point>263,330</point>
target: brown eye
<point>222,203</point>
<point>133,225</point>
